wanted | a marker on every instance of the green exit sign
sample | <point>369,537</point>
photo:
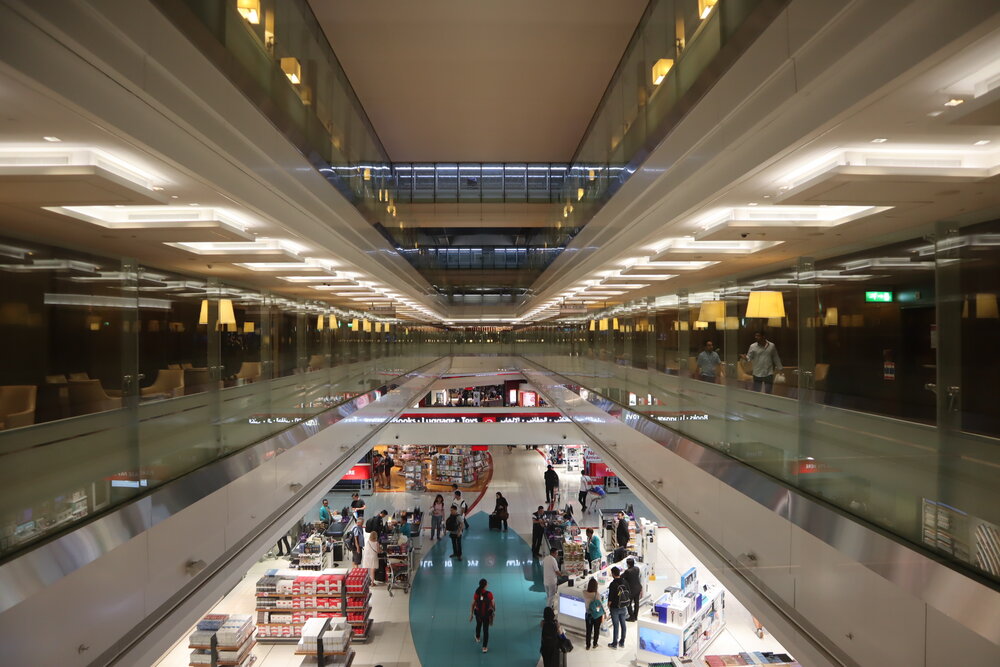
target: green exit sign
<point>879,297</point>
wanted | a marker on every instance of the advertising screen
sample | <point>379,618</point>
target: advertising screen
<point>572,606</point>
<point>661,643</point>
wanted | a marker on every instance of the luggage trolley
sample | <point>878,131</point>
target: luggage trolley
<point>400,566</point>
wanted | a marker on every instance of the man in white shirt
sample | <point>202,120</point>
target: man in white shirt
<point>551,573</point>
<point>763,355</point>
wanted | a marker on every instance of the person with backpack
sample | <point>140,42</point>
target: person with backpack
<point>454,527</point>
<point>483,609</point>
<point>595,613</point>
<point>619,597</point>
<point>376,524</point>
<point>633,577</point>
<point>354,539</point>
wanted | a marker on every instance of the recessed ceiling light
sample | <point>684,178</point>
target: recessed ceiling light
<point>981,142</point>
<point>954,102</point>
<point>752,203</point>
<point>879,140</point>
<point>174,196</point>
<point>935,114</point>
<point>193,204</point>
<point>156,188</point>
<point>52,139</point>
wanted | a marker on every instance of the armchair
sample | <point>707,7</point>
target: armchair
<point>87,396</point>
<point>249,371</point>
<point>17,405</point>
<point>168,383</point>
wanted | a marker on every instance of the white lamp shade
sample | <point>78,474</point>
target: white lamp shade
<point>765,305</point>
<point>320,322</point>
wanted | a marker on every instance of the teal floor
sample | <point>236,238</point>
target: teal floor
<point>442,595</point>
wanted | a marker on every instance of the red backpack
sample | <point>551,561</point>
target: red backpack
<point>484,606</point>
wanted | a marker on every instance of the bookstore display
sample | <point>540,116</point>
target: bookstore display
<point>429,468</point>
<point>223,639</point>
<point>287,599</point>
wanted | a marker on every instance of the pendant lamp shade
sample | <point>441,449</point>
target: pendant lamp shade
<point>226,313</point>
<point>712,311</point>
<point>765,305</point>
<point>832,317</point>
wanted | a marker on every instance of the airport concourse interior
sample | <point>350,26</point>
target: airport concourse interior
<point>426,332</point>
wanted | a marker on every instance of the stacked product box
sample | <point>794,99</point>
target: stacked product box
<point>574,559</point>
<point>289,599</point>
<point>223,639</point>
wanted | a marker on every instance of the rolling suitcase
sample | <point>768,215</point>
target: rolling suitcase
<point>494,522</point>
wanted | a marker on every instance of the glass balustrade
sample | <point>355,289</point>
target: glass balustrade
<point>883,403</point>
<point>118,378</point>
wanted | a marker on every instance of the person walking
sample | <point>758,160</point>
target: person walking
<point>550,577</point>
<point>537,531</point>
<point>763,356</point>
<point>593,549</point>
<point>501,511</point>
<point>387,464</point>
<point>463,507</point>
<point>619,597</point>
<point>550,649</point>
<point>437,518</point>
<point>633,577</point>
<point>584,490</point>
<point>551,484</point>
<point>708,363</point>
<point>483,609</point>
<point>594,615</point>
<point>369,560</point>
<point>454,527</point>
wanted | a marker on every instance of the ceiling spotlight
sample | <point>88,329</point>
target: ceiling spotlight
<point>880,140</point>
<point>935,114</point>
<point>52,139</point>
<point>752,203</point>
<point>954,102</point>
<point>981,142</point>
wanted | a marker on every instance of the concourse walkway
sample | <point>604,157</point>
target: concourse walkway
<point>442,595</point>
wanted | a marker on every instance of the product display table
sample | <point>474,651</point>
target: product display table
<point>691,620</point>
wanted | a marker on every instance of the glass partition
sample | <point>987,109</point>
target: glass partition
<point>861,379</point>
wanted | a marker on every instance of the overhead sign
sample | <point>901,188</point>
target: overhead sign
<point>482,418</point>
<point>878,297</point>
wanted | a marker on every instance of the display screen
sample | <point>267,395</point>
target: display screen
<point>572,606</point>
<point>655,641</point>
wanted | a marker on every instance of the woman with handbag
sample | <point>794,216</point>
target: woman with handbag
<point>483,609</point>
<point>551,639</point>
<point>595,613</point>
<point>501,511</point>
